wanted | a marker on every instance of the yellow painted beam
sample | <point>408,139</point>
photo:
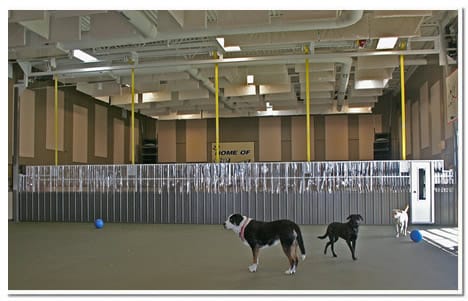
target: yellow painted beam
<point>56,119</point>
<point>306,50</point>
<point>217,108</point>
<point>133,116</point>
<point>403,111</point>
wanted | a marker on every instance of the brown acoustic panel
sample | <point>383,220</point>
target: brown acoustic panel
<point>167,141</point>
<point>336,137</point>
<point>196,140</point>
<point>269,134</point>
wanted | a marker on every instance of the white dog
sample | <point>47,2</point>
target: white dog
<point>400,218</point>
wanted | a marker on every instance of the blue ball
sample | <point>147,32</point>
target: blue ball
<point>416,236</point>
<point>99,223</point>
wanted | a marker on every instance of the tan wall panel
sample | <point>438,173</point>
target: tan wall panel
<point>409,127</point>
<point>366,137</point>
<point>336,137</point>
<point>436,126</point>
<point>119,138</point>
<point>100,131</point>
<point>269,139</point>
<point>167,141</point>
<point>416,150</point>
<point>80,134</point>
<point>424,115</point>
<point>196,140</point>
<point>10,123</point>
<point>298,139</point>
<point>50,120</point>
<point>27,124</point>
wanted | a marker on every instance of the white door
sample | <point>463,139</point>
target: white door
<point>422,200</point>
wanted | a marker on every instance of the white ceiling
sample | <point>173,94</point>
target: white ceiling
<point>172,56</point>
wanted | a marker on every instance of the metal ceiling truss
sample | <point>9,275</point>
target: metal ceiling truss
<point>342,52</point>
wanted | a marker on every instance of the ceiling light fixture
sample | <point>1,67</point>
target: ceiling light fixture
<point>387,43</point>
<point>360,110</point>
<point>83,56</point>
<point>370,84</point>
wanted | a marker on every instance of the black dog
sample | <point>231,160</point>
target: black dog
<point>348,231</point>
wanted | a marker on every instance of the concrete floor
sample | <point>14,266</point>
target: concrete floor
<point>76,256</point>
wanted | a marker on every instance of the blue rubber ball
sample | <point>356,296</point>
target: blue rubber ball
<point>416,236</point>
<point>99,223</point>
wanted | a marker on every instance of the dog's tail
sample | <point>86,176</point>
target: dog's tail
<point>300,242</point>
<point>323,236</point>
<point>406,208</point>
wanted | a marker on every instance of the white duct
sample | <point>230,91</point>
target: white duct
<point>347,18</point>
<point>343,81</point>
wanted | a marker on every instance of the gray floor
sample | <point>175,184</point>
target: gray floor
<point>52,256</point>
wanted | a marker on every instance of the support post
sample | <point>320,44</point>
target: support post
<point>215,56</point>
<point>133,116</point>
<point>56,119</point>
<point>403,111</point>
<point>15,160</point>
<point>306,50</point>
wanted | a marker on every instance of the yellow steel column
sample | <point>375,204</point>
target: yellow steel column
<point>56,119</point>
<point>217,108</point>
<point>306,50</point>
<point>133,116</point>
<point>403,112</point>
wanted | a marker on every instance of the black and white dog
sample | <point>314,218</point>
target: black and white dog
<point>258,235</point>
<point>348,231</point>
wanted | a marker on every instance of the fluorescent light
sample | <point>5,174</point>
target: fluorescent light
<point>357,110</point>
<point>250,79</point>
<point>232,48</point>
<point>387,43</point>
<point>83,56</point>
<point>370,84</point>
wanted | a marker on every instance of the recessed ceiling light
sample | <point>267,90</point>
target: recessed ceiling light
<point>387,43</point>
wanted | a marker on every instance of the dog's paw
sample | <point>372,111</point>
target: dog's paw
<point>253,268</point>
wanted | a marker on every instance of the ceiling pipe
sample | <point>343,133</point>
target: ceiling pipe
<point>149,30</point>
<point>347,18</point>
<point>244,61</point>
